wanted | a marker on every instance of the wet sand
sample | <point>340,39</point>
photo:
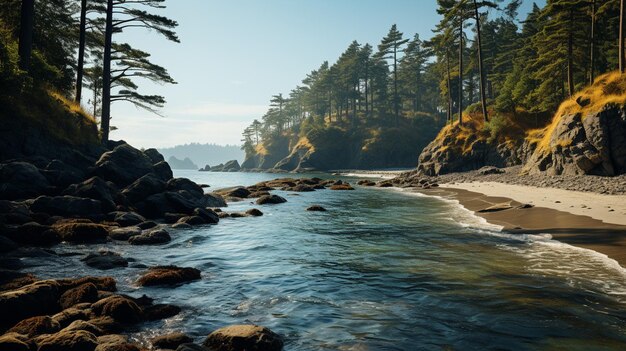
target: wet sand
<point>574,229</point>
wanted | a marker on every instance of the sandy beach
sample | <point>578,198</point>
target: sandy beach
<point>581,219</point>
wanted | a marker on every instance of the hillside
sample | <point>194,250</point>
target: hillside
<point>340,146</point>
<point>587,135</point>
<point>204,154</point>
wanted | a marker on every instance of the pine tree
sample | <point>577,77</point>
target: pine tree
<point>390,47</point>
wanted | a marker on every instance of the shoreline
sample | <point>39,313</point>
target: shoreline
<point>543,218</point>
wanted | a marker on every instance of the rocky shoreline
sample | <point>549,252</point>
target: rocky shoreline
<point>124,196</point>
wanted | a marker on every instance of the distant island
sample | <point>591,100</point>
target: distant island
<point>204,154</point>
<point>177,163</point>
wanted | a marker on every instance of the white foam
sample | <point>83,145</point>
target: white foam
<point>545,255</point>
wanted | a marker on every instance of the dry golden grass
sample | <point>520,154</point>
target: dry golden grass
<point>304,143</point>
<point>608,89</point>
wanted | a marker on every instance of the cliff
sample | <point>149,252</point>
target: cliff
<point>587,135</point>
<point>342,147</point>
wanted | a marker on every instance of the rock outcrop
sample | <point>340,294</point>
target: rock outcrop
<point>583,144</point>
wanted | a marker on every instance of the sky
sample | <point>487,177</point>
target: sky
<point>235,54</point>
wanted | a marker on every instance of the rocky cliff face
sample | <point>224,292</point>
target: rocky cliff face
<point>583,144</point>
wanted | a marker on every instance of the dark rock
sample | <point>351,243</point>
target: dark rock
<point>177,163</point>
<point>191,347</point>
<point>78,340</point>
<point>192,220</point>
<point>497,208</point>
<point>87,292</point>
<point>182,226</point>
<point>316,208</point>
<point>154,155</point>
<point>159,312</point>
<point>170,341</point>
<point>105,260</point>
<point>178,184</point>
<point>126,219</point>
<point>85,326</point>
<point>366,183</point>
<point>271,199</point>
<point>21,180</point>
<point>97,189</point>
<point>163,171</point>
<point>34,234</point>
<point>83,233</point>
<point>69,316</point>
<point>254,212</point>
<point>153,237</point>
<point>487,170</point>
<point>36,326</point>
<point>206,168</point>
<point>168,275</point>
<point>7,245</point>
<point>208,215</point>
<point>101,283</point>
<point>144,187</point>
<point>147,225</point>
<point>244,338</point>
<point>67,206</point>
<point>258,194</point>
<point>214,200</point>
<point>173,217</point>
<point>123,165</point>
<point>218,168</point>
<point>231,166</point>
<point>121,309</point>
<point>62,175</point>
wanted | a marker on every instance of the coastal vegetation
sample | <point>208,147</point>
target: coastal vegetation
<point>501,83</point>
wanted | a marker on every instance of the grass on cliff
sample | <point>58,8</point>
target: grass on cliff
<point>608,89</point>
<point>50,113</point>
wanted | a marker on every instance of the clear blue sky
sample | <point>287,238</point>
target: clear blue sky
<point>235,54</point>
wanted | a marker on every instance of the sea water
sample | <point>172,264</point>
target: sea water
<point>382,269</point>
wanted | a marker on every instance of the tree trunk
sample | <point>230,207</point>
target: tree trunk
<point>461,46</point>
<point>366,88</point>
<point>570,55</point>
<point>622,59</point>
<point>106,76</point>
<point>81,51</point>
<point>449,87</point>
<point>27,23</point>
<point>592,61</point>
<point>481,71</point>
<point>395,85</point>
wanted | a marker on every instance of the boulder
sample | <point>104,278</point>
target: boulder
<point>254,212</point>
<point>70,315</point>
<point>123,165</point>
<point>83,233</point>
<point>244,338</point>
<point>237,192</point>
<point>270,199</point>
<point>182,226</point>
<point>121,309</point>
<point>206,168</point>
<point>487,170</point>
<point>144,187</point>
<point>160,311</point>
<point>83,325</point>
<point>170,341</point>
<point>97,189</point>
<point>14,342</point>
<point>36,326</point>
<point>344,186</point>
<point>231,166</point>
<point>62,175</point>
<point>218,168</point>
<point>78,340</point>
<point>191,347</point>
<point>316,208</point>
<point>7,245</point>
<point>67,206</point>
<point>87,292</point>
<point>151,237</point>
<point>209,216</point>
<point>126,219</point>
<point>32,300</point>
<point>147,225</point>
<point>191,220</point>
<point>105,260</point>
<point>114,342</point>
<point>123,234</point>
<point>163,171</point>
<point>214,200</point>
<point>178,184</point>
<point>34,234</point>
<point>154,155</point>
<point>169,275</point>
<point>101,283</point>
<point>21,180</point>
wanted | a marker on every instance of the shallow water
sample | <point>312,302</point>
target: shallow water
<point>383,269</point>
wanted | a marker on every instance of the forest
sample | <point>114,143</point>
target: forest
<point>483,59</point>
